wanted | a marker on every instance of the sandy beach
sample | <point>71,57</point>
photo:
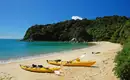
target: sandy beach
<point>102,70</point>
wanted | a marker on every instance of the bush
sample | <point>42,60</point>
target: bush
<point>122,60</point>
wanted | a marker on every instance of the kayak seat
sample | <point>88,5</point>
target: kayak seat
<point>58,60</point>
<point>33,65</point>
<point>69,62</point>
<point>78,60</point>
<point>40,66</point>
<point>27,66</point>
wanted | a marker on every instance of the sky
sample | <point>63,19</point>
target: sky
<point>16,16</point>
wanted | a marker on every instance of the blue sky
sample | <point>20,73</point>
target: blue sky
<point>16,16</point>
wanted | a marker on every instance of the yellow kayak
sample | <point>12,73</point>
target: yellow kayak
<point>39,69</point>
<point>73,63</point>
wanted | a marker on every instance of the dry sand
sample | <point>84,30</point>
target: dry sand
<point>102,70</point>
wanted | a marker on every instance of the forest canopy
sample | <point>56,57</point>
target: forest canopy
<point>111,28</point>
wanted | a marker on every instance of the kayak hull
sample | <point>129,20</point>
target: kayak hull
<point>75,63</point>
<point>39,70</point>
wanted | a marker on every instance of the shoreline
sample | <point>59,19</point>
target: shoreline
<point>26,58</point>
<point>103,67</point>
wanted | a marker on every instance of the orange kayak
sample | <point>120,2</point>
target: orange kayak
<point>73,63</point>
<point>39,70</point>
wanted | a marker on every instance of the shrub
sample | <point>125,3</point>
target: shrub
<point>122,60</point>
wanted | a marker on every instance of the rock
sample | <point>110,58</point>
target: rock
<point>73,40</point>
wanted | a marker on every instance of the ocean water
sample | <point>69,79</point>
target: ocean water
<point>14,49</point>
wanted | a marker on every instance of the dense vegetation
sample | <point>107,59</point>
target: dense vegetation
<point>122,60</point>
<point>102,28</point>
<point>108,28</point>
<point>62,31</point>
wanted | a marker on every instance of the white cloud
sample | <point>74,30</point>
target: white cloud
<point>77,17</point>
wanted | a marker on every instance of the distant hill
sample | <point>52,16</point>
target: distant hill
<point>109,28</point>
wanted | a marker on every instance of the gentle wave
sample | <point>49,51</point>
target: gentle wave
<point>31,57</point>
<point>40,56</point>
<point>12,50</point>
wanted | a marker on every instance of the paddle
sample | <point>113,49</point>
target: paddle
<point>83,55</point>
<point>80,57</point>
<point>59,73</point>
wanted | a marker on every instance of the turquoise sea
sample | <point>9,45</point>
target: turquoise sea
<point>14,49</point>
